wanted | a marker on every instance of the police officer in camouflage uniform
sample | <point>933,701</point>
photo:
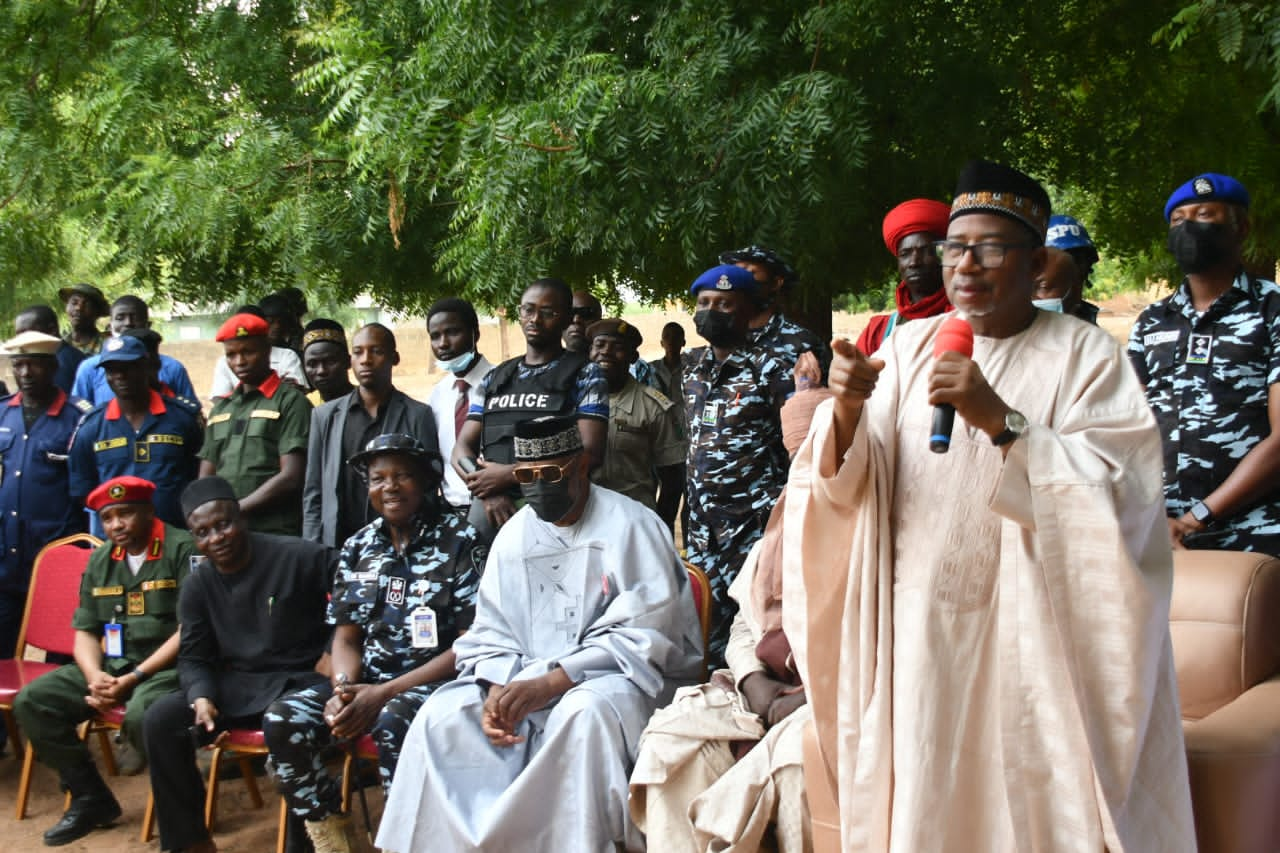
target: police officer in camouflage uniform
<point>737,464</point>
<point>125,647</point>
<point>769,328</point>
<point>404,590</point>
<point>1209,358</point>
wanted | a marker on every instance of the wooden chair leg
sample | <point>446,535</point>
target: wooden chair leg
<point>283,831</point>
<point>250,781</point>
<point>149,818</point>
<point>211,788</point>
<point>24,781</point>
<point>348,764</point>
<point>108,757</point>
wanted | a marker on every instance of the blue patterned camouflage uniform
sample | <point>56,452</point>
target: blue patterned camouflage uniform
<point>1207,377</point>
<point>379,590</point>
<point>786,340</point>
<point>736,467</point>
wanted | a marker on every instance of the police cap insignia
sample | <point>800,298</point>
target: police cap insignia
<point>1202,186</point>
<point>723,283</point>
<point>116,491</point>
<point>242,332</point>
<point>114,344</point>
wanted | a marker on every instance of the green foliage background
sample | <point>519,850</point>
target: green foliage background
<point>197,150</point>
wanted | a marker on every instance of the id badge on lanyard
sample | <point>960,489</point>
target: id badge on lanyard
<point>113,633</point>
<point>422,627</point>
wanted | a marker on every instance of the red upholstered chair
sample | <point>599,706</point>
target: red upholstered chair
<point>701,587</point>
<point>46,627</point>
<point>242,745</point>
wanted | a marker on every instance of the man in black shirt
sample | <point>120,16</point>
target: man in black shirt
<point>253,627</point>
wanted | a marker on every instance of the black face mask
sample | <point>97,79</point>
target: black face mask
<point>716,327</point>
<point>551,501</point>
<point>1199,246</point>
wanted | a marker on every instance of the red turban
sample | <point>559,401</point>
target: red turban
<point>914,216</point>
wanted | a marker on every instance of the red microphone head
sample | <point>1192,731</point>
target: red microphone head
<point>955,335</point>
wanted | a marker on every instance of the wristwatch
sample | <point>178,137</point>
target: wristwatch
<point>1015,424</point>
<point>1200,512</point>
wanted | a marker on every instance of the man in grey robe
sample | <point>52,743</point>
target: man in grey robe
<point>585,624</point>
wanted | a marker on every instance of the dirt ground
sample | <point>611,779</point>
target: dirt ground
<point>240,828</point>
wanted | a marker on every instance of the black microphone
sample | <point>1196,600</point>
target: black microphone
<point>955,335</point>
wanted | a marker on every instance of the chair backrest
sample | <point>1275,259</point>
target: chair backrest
<point>54,594</point>
<point>701,598</point>
<point>1223,620</point>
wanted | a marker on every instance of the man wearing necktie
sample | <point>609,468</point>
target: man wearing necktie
<point>454,330</point>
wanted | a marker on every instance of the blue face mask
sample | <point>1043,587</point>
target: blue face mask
<point>1054,305</point>
<point>458,365</point>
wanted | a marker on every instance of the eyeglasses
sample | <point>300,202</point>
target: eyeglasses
<point>549,472</point>
<point>989,256</point>
<point>529,311</point>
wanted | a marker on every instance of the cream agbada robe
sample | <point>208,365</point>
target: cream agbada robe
<point>986,642</point>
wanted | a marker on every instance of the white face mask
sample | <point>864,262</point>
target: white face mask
<point>461,364</point>
<point>1054,305</point>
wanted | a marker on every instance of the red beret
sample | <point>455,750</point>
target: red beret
<point>121,490</point>
<point>914,216</point>
<point>242,326</point>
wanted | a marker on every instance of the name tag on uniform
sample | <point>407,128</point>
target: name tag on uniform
<point>219,419</point>
<point>269,414</point>
<point>109,444</point>
<point>1199,348</point>
<point>1157,338</point>
<point>160,438</point>
<point>101,591</point>
<point>422,627</point>
<point>710,413</point>
<point>167,583</point>
<point>114,636</point>
<point>137,604</point>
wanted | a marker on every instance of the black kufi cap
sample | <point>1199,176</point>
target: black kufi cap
<point>987,187</point>
<point>206,489</point>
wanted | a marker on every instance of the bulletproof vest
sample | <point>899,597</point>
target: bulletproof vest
<point>511,401</point>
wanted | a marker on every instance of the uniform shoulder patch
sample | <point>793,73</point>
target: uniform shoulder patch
<point>81,404</point>
<point>654,394</point>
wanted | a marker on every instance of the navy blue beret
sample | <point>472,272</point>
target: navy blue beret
<point>726,277</point>
<point>1207,187</point>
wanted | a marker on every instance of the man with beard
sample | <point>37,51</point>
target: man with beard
<point>546,381</point>
<point>253,628</point>
<point>256,438</point>
<point>138,432</point>
<point>646,429</point>
<point>1209,357</point>
<point>584,625</point>
<point>85,305</point>
<point>335,503</point>
<point>36,426</point>
<point>770,329</point>
<point>910,230</point>
<point>125,646</point>
<point>326,360</point>
<point>454,331</point>
<point>737,464</point>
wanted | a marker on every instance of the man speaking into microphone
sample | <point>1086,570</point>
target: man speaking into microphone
<point>983,633</point>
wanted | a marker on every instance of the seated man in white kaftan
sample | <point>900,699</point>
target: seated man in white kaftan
<point>984,632</point>
<point>584,625</point>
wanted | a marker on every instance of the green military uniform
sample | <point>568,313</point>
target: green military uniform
<point>146,607</point>
<point>646,432</point>
<point>246,435</point>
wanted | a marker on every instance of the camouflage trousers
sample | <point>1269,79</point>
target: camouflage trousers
<point>300,742</point>
<point>721,560</point>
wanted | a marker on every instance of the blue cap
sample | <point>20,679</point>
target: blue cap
<point>1207,187</point>
<point>123,348</point>
<point>1066,232</point>
<point>726,277</point>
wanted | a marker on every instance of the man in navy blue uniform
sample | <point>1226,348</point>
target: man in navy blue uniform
<point>138,432</point>
<point>128,312</point>
<point>36,425</point>
<point>40,318</point>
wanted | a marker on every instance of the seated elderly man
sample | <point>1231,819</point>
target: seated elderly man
<point>126,642</point>
<point>584,625</point>
<point>404,591</point>
<point>253,628</point>
<point>693,788</point>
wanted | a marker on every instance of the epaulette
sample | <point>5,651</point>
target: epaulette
<point>81,403</point>
<point>186,403</point>
<point>662,399</point>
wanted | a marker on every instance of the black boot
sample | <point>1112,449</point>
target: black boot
<point>296,838</point>
<point>92,805</point>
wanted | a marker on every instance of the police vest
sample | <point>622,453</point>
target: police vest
<point>511,401</point>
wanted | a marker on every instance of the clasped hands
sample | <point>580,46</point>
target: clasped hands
<point>353,709</point>
<point>106,691</point>
<point>770,699</point>
<point>506,705</point>
<point>954,379</point>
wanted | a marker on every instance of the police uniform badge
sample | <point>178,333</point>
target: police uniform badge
<point>194,562</point>
<point>395,592</point>
<point>137,604</point>
<point>1199,348</point>
<point>723,283</point>
<point>1202,186</point>
<point>116,492</point>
